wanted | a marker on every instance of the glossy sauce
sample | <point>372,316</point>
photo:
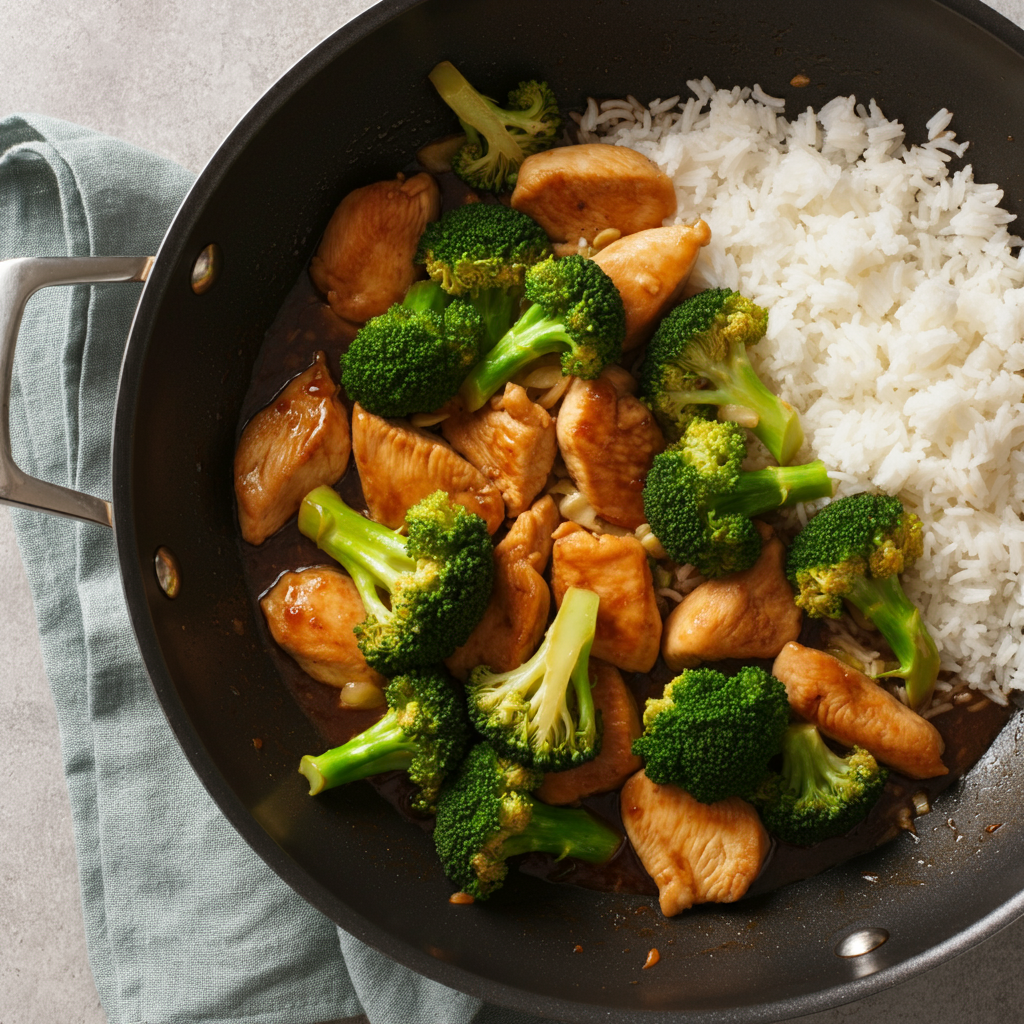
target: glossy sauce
<point>306,325</point>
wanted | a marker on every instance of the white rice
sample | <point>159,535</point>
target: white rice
<point>896,324</point>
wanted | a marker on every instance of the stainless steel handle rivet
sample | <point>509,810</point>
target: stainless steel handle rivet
<point>860,942</point>
<point>206,268</point>
<point>168,575</point>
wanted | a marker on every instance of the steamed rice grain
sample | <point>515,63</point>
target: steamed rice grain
<point>896,328</point>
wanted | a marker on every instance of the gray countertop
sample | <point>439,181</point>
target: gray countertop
<point>174,77</point>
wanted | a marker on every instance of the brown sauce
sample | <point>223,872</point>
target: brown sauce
<point>306,325</point>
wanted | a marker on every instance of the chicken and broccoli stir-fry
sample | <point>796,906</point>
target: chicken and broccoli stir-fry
<point>549,441</point>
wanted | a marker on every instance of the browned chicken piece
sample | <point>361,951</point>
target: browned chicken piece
<point>576,192</point>
<point>399,465</point>
<point>620,725</point>
<point>511,440</point>
<point>615,568</point>
<point>311,615</point>
<point>298,442</point>
<point>608,440</point>
<point>696,853</point>
<point>650,269</point>
<point>749,614</point>
<point>517,613</point>
<point>854,710</point>
<point>364,262</point>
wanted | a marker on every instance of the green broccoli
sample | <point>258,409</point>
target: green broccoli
<point>699,502</point>
<point>497,139</point>
<point>818,794</point>
<point>414,357</point>
<point>577,310</point>
<point>480,246</point>
<point>486,814</point>
<point>426,297</point>
<point>714,736</point>
<point>424,732</point>
<point>542,713</point>
<point>439,578</point>
<point>481,251</point>
<point>698,357</point>
<point>854,549</point>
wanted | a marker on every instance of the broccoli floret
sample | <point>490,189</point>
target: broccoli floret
<point>698,356</point>
<point>714,736</point>
<point>486,814</point>
<point>854,549</point>
<point>480,246</point>
<point>414,357</point>
<point>439,578</point>
<point>818,794</point>
<point>481,251</point>
<point>497,139</point>
<point>542,713</point>
<point>699,502</point>
<point>577,310</point>
<point>424,733</point>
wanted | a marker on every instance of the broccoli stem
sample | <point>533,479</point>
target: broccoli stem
<point>359,544</point>
<point>384,747</point>
<point>567,643</point>
<point>564,833</point>
<point>808,765</point>
<point>497,309</point>
<point>474,110</point>
<point>762,490</point>
<point>884,602</point>
<point>585,714</point>
<point>736,383</point>
<point>425,297</point>
<point>366,585</point>
<point>533,335</point>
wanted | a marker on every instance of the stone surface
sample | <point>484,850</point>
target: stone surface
<point>174,77</point>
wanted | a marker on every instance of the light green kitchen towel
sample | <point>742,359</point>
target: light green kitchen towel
<point>184,922</point>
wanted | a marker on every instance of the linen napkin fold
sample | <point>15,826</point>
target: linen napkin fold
<point>183,921</point>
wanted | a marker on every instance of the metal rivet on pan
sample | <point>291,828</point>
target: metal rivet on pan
<point>168,575</point>
<point>861,942</point>
<point>206,268</point>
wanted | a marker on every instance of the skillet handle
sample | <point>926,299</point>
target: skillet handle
<point>19,280</point>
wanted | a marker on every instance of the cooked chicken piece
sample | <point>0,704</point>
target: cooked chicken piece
<point>511,440</point>
<point>399,465</point>
<point>364,262</point>
<point>517,613</point>
<point>311,615</point>
<point>749,614</point>
<point>576,192</point>
<point>853,709</point>
<point>608,440</point>
<point>650,269</point>
<point>615,568</point>
<point>620,725</point>
<point>298,442</point>
<point>696,853</point>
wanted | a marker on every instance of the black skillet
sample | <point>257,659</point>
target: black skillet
<point>349,113</point>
